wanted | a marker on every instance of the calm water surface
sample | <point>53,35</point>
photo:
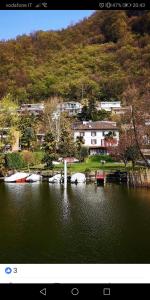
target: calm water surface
<point>42,223</point>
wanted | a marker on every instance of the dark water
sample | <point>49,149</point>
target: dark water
<point>42,223</point>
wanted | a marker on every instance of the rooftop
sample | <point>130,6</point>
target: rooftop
<point>98,125</point>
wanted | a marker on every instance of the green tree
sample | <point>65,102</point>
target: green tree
<point>8,120</point>
<point>114,25</point>
<point>27,138</point>
<point>50,150</point>
<point>90,112</point>
<point>84,153</point>
<point>79,143</point>
<point>66,145</point>
<point>85,114</point>
<point>102,115</point>
<point>2,164</point>
<point>27,126</point>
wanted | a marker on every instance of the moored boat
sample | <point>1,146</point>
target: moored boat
<point>17,177</point>
<point>56,178</point>
<point>34,178</point>
<point>78,178</point>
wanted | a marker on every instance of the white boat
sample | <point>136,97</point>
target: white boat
<point>17,177</point>
<point>34,178</point>
<point>78,178</point>
<point>56,179</point>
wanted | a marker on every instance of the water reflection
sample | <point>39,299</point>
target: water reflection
<point>65,206</point>
<point>60,195</point>
<point>18,189</point>
<point>22,193</point>
<point>45,223</point>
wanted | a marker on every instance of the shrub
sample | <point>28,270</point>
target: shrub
<point>48,160</point>
<point>84,153</point>
<point>38,157</point>
<point>2,165</point>
<point>28,158</point>
<point>87,170</point>
<point>99,157</point>
<point>14,161</point>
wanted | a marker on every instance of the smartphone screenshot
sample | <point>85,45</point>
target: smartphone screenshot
<point>74,149</point>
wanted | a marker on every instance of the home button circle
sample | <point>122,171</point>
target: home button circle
<point>75,292</point>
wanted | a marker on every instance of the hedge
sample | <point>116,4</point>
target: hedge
<point>14,161</point>
<point>98,158</point>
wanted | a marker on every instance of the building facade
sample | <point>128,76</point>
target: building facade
<point>108,106</point>
<point>121,110</point>
<point>98,136</point>
<point>33,108</point>
<point>72,107</point>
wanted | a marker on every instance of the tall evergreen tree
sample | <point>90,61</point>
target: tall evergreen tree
<point>50,150</point>
<point>66,146</point>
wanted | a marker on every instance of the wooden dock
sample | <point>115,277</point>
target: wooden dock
<point>100,178</point>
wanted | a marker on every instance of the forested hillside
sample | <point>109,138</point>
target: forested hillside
<point>99,57</point>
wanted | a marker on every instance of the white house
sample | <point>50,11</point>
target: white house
<point>108,106</point>
<point>97,136</point>
<point>33,108</point>
<point>121,110</point>
<point>72,107</point>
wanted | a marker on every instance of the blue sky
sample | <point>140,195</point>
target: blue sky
<point>17,22</point>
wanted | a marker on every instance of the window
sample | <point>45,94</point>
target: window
<point>82,133</point>
<point>93,141</point>
<point>93,133</point>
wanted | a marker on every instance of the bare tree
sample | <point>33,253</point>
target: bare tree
<point>52,115</point>
<point>126,144</point>
<point>136,119</point>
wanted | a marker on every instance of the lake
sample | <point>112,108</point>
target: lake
<point>43,223</point>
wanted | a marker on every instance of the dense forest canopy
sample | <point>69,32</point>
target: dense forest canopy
<point>96,58</point>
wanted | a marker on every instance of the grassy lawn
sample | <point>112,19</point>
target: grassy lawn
<point>92,166</point>
<point>92,163</point>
